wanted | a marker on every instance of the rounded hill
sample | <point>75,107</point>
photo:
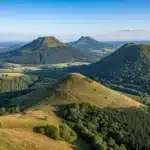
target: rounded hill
<point>129,66</point>
<point>76,88</point>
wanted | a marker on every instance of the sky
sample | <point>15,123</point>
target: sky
<point>70,19</point>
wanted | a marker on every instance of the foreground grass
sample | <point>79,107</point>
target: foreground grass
<point>16,132</point>
<point>19,139</point>
<point>29,120</point>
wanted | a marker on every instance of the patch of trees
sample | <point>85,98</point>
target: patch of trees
<point>17,83</point>
<point>127,86</point>
<point>11,110</point>
<point>63,132</point>
<point>108,128</point>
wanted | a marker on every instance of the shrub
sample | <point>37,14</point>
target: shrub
<point>45,118</point>
<point>2,111</point>
<point>52,132</point>
<point>49,130</point>
<point>67,133</point>
<point>40,129</point>
<point>17,109</point>
<point>111,142</point>
<point>101,146</point>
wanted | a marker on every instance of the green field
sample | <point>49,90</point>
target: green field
<point>19,68</point>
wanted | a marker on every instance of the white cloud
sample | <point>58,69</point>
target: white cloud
<point>133,30</point>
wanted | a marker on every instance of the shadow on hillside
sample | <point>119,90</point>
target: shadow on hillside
<point>6,97</point>
<point>56,73</point>
<point>60,109</point>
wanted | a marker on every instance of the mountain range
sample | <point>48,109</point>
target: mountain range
<point>47,50</point>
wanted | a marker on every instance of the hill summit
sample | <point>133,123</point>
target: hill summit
<point>85,38</point>
<point>49,41</point>
<point>76,88</point>
<point>47,50</point>
<point>88,43</point>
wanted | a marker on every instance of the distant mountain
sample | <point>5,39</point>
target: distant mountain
<point>88,43</point>
<point>128,67</point>
<point>46,50</point>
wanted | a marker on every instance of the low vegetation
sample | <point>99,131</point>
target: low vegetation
<point>67,134</point>
<point>49,130</point>
<point>64,132</point>
<point>10,110</point>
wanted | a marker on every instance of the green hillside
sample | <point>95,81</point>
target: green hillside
<point>127,68</point>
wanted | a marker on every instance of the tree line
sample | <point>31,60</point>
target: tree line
<point>109,128</point>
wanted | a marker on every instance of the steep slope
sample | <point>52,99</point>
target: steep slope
<point>128,65</point>
<point>46,50</point>
<point>88,43</point>
<point>76,88</point>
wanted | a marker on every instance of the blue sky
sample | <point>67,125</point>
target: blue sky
<point>71,18</point>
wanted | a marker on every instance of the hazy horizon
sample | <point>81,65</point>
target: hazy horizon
<point>114,36</point>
